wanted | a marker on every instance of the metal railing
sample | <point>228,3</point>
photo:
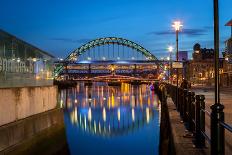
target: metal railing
<point>193,112</point>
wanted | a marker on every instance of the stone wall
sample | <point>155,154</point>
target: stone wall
<point>22,102</point>
<point>15,134</point>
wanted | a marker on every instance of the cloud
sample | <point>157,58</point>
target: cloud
<point>69,40</point>
<point>188,32</point>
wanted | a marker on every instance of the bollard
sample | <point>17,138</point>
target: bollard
<point>181,102</point>
<point>185,95</point>
<point>202,118</point>
<point>217,131</point>
<point>192,105</point>
<point>200,139</point>
<point>189,112</point>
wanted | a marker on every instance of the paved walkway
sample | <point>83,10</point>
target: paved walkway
<point>226,100</point>
<point>183,144</point>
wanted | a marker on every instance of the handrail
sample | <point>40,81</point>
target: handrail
<point>226,126</point>
<point>206,112</point>
<point>206,137</point>
<point>193,110</point>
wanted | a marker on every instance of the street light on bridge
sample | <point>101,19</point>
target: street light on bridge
<point>177,26</point>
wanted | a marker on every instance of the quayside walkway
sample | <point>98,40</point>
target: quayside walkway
<point>193,129</point>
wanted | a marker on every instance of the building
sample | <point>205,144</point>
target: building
<point>21,60</point>
<point>227,54</point>
<point>183,55</point>
<point>201,68</point>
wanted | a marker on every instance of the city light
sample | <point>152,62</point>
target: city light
<point>170,48</point>
<point>34,59</point>
<point>177,25</point>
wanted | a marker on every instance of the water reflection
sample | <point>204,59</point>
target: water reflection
<point>107,112</point>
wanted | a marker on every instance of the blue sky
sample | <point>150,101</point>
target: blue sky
<point>60,26</point>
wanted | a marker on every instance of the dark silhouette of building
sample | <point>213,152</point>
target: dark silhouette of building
<point>201,68</point>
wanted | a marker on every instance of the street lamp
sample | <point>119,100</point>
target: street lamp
<point>177,25</point>
<point>217,114</point>
<point>170,50</point>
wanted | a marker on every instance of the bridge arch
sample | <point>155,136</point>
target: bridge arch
<point>74,55</point>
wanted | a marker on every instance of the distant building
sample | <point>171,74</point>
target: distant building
<point>19,59</point>
<point>227,54</point>
<point>183,55</point>
<point>201,68</point>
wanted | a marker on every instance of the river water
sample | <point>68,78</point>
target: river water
<point>111,120</point>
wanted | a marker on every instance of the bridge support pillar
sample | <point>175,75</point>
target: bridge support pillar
<point>66,71</point>
<point>89,71</point>
<point>135,69</point>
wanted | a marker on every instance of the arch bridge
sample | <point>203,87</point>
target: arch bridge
<point>107,56</point>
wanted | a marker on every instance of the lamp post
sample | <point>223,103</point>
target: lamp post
<point>177,25</point>
<point>170,50</point>
<point>217,114</point>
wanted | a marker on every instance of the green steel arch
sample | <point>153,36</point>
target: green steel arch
<point>73,56</point>
<point>110,40</point>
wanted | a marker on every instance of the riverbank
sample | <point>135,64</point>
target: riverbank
<point>38,134</point>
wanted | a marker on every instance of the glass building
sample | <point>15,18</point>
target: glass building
<point>20,61</point>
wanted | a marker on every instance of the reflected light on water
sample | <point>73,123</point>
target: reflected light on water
<point>130,113</point>
<point>85,122</point>
<point>136,105</point>
<point>133,114</point>
<point>119,114</point>
<point>147,115</point>
<point>95,127</point>
<point>104,114</point>
<point>89,114</point>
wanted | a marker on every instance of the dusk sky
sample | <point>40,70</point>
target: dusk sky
<point>60,26</point>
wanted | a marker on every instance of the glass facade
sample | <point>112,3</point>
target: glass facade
<point>21,61</point>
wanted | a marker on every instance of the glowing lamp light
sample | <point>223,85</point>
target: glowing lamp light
<point>170,48</point>
<point>177,25</point>
<point>34,59</point>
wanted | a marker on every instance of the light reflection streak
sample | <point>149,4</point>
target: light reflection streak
<point>104,114</point>
<point>133,114</point>
<point>99,114</point>
<point>89,114</point>
<point>147,115</point>
<point>119,114</point>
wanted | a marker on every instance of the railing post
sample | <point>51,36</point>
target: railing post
<point>192,105</point>
<point>217,131</point>
<point>200,140</point>
<point>202,117</point>
<point>185,95</point>
<point>180,99</point>
<point>189,110</point>
<point>177,103</point>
